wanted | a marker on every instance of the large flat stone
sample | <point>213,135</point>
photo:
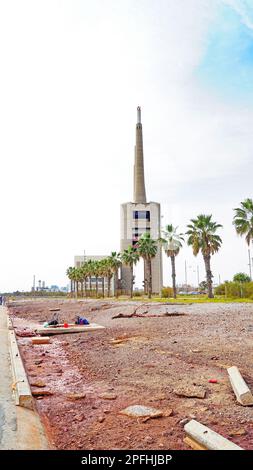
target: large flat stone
<point>140,411</point>
<point>190,391</point>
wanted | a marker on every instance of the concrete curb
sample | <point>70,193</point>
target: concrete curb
<point>21,387</point>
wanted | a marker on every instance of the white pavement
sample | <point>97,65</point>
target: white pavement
<point>19,428</point>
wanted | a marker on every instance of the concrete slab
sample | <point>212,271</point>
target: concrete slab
<point>206,438</point>
<point>241,389</point>
<point>72,329</point>
<point>20,385</point>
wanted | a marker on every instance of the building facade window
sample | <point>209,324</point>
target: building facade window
<point>141,215</point>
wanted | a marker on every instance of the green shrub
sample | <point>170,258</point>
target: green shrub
<point>235,290</point>
<point>138,293</point>
<point>220,290</point>
<point>167,292</point>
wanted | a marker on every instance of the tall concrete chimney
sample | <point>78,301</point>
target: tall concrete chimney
<point>139,179</point>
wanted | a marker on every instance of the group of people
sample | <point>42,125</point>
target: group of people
<point>2,300</point>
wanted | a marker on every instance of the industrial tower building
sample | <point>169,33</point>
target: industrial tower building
<point>140,216</point>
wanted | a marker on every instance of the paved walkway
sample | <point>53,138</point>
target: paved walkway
<point>19,428</point>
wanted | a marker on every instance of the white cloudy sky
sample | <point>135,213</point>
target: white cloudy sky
<point>72,74</point>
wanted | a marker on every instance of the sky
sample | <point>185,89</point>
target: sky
<point>72,74</point>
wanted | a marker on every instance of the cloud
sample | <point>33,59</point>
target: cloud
<point>227,65</point>
<point>244,9</point>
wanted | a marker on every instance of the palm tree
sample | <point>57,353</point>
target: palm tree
<point>115,263</point>
<point>243,220</point>
<point>171,242</point>
<point>70,273</point>
<point>102,273</point>
<point>147,249</point>
<point>202,237</point>
<point>90,270</point>
<point>130,257</point>
<point>96,272</point>
<point>77,276</point>
<point>84,273</point>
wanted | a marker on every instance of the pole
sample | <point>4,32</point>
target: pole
<point>198,274</point>
<point>219,279</point>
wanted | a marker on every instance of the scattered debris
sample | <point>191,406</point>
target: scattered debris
<point>241,389</point>
<point>190,391</point>
<point>118,341</point>
<point>238,432</point>
<point>183,421</point>
<point>25,333</point>
<point>213,381</point>
<point>37,393</point>
<point>40,340</point>
<point>174,314</point>
<point>140,411</point>
<point>76,396</point>
<point>168,412</point>
<point>200,437</point>
<point>101,419</point>
<point>38,383</point>
<point>147,314</point>
<point>108,396</point>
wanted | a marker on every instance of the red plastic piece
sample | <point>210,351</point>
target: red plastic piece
<point>213,381</point>
<point>65,325</point>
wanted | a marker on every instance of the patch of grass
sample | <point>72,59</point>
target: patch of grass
<point>189,299</point>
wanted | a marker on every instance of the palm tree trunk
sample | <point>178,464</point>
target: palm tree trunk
<point>82,288</point>
<point>132,280</point>
<point>96,286</point>
<point>90,286</point>
<point>149,273</point>
<point>103,287</point>
<point>116,283</point>
<point>76,289</point>
<point>173,275</point>
<point>209,276</point>
<point>85,287</point>
<point>108,285</point>
<point>145,276</point>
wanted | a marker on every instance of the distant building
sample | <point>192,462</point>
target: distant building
<point>54,288</point>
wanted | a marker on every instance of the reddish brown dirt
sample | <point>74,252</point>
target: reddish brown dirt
<point>157,356</point>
